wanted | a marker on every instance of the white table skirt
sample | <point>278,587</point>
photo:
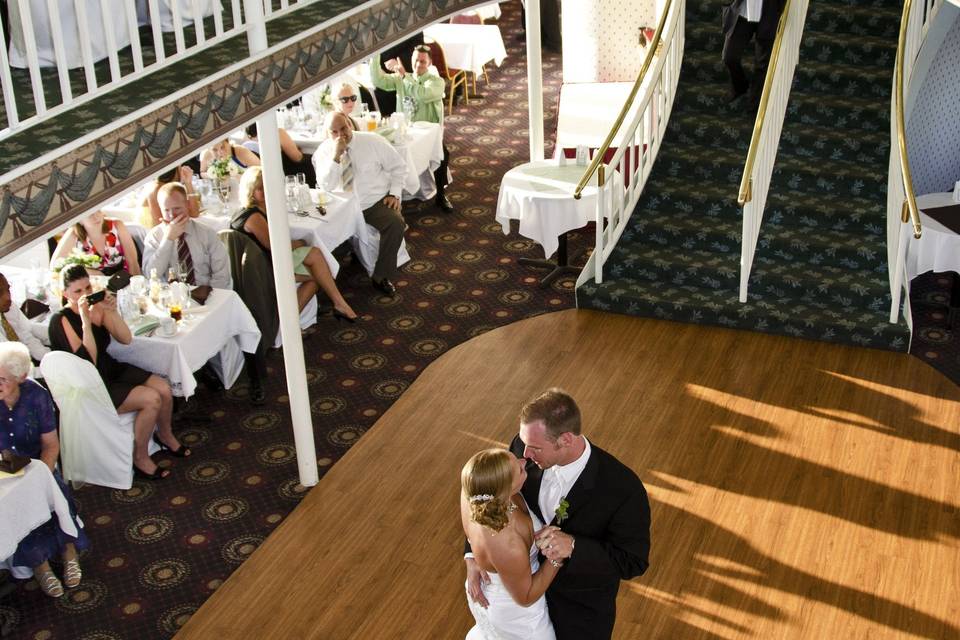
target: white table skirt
<point>468,46</point>
<point>540,195</point>
<point>43,32</point>
<point>938,249</point>
<point>222,326</point>
<point>26,502</point>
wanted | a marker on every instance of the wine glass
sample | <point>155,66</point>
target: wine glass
<point>223,194</point>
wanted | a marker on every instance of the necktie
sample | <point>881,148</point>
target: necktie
<point>186,260</point>
<point>346,172</point>
<point>8,329</point>
<point>551,491</point>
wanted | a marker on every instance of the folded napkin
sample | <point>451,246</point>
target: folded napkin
<point>387,132</point>
<point>145,324</point>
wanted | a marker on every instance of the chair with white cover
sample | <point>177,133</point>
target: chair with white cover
<point>96,442</point>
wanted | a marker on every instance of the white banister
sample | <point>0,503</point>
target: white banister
<point>762,154</point>
<point>93,35</point>
<point>641,127</point>
<point>902,215</point>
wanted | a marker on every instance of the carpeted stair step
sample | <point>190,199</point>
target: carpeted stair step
<point>700,128</point>
<point>854,19</point>
<point>799,317</point>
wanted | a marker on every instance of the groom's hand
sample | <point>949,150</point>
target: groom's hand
<point>554,544</point>
<point>476,576</point>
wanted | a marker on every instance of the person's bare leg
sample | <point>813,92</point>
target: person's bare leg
<point>146,402</point>
<point>306,290</point>
<point>165,415</point>
<point>317,265</point>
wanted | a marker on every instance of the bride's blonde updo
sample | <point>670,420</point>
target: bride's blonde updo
<point>486,480</point>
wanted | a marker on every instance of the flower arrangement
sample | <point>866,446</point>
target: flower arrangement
<point>561,511</point>
<point>88,260</point>
<point>220,168</point>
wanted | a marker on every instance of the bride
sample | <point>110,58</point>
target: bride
<point>498,525</point>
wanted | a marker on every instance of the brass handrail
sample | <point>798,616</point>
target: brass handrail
<point>653,48</point>
<point>909,211</point>
<point>746,182</point>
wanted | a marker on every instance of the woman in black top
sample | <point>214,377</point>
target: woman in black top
<point>85,330</point>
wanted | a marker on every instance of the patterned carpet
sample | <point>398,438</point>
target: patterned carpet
<point>820,270</point>
<point>160,549</point>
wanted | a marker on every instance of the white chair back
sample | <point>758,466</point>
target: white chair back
<point>96,442</point>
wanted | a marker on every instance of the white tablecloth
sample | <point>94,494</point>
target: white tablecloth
<point>222,326</point>
<point>207,7</point>
<point>43,32</point>
<point>488,11</point>
<point>938,249</point>
<point>468,46</point>
<point>588,110</point>
<point>26,502</point>
<point>540,195</point>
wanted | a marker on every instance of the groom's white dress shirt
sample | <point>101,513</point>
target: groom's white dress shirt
<point>557,481</point>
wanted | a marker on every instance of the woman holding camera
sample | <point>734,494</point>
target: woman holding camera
<point>85,328</point>
<point>30,429</point>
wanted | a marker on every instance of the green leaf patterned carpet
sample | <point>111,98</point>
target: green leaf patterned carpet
<point>820,270</point>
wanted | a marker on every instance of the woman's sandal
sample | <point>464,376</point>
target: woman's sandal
<point>71,573</point>
<point>158,474</point>
<point>50,584</point>
<point>180,452</point>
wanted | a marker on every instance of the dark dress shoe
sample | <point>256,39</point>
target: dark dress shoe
<point>444,204</point>
<point>257,396</point>
<point>385,287</point>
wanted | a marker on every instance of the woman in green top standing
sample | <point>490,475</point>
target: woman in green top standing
<point>419,93</point>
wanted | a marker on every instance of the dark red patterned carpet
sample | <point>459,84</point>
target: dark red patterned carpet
<point>160,549</point>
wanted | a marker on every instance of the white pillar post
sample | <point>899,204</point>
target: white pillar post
<point>274,188</point>
<point>534,79</point>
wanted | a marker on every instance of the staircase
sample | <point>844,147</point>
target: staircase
<point>821,264</point>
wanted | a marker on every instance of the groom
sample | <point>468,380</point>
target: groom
<point>598,512</point>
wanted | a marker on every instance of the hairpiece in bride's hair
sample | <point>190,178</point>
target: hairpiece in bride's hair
<point>482,497</point>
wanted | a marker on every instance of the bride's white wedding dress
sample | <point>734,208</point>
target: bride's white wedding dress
<point>504,619</point>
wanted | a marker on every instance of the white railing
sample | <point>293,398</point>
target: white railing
<point>762,154</point>
<point>60,45</point>
<point>648,106</point>
<point>902,209</point>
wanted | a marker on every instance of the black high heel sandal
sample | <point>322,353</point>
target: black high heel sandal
<point>340,315</point>
<point>181,452</point>
<point>158,474</point>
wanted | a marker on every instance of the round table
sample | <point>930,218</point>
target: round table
<point>540,195</point>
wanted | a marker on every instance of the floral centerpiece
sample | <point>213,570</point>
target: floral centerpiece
<point>221,169</point>
<point>88,260</point>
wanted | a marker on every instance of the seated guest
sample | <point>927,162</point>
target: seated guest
<point>369,165</point>
<point>424,88</point>
<point>182,174</point>
<point>294,160</point>
<point>85,330</point>
<point>347,98</point>
<point>309,265</point>
<point>30,429</point>
<point>16,326</point>
<point>107,238</point>
<point>240,157</point>
<point>181,243</point>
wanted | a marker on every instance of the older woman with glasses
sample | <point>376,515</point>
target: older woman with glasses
<point>30,429</point>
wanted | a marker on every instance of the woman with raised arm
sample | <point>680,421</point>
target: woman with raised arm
<point>499,529</point>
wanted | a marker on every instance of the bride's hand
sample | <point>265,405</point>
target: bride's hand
<point>476,576</point>
<point>554,544</point>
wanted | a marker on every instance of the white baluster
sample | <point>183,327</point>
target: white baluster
<point>56,35</point>
<point>86,54</point>
<point>33,63</point>
<point>198,21</point>
<point>177,25</point>
<point>106,17</point>
<point>218,18</point>
<point>156,22</point>
<point>133,30</point>
<point>6,83</point>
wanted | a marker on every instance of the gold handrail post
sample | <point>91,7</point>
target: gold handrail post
<point>910,201</point>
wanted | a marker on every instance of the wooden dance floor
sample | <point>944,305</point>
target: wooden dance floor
<point>798,490</point>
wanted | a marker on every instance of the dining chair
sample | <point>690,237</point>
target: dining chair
<point>96,443</point>
<point>456,77</point>
<point>471,18</point>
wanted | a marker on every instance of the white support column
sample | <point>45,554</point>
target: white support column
<point>534,79</point>
<point>273,186</point>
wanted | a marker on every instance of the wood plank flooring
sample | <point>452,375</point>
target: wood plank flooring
<point>798,490</point>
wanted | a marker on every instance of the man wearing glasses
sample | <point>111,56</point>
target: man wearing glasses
<point>420,95</point>
<point>348,98</point>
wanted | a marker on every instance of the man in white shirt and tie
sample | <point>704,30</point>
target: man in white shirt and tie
<point>16,327</point>
<point>368,165</point>
<point>183,244</point>
<point>597,516</point>
<point>743,20</point>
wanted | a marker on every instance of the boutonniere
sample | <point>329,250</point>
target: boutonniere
<point>561,511</point>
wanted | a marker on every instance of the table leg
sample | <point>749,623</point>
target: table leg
<point>557,269</point>
<point>954,304</point>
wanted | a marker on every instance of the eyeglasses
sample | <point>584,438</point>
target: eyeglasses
<point>422,48</point>
<point>346,99</point>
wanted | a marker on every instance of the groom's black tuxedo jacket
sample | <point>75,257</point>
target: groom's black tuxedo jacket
<point>609,516</point>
